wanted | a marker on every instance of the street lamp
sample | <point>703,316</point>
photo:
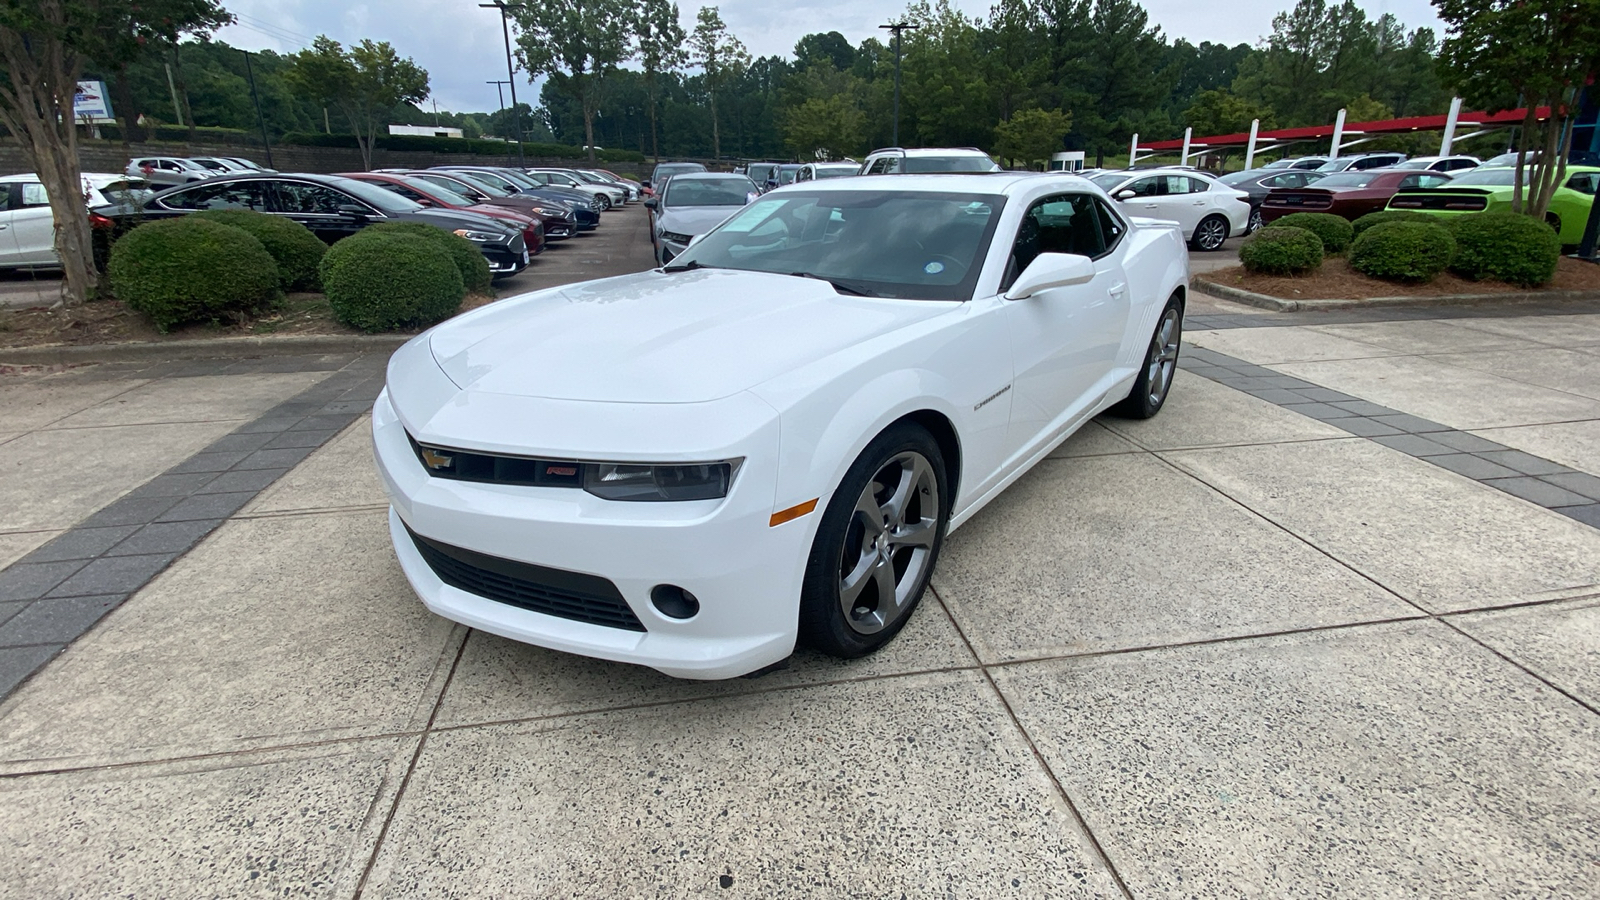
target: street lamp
<point>499,94</point>
<point>511,73</point>
<point>895,28</point>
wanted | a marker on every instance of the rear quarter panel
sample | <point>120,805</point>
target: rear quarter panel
<point>1157,264</point>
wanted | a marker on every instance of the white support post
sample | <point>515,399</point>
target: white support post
<point>1338,135</point>
<point>1187,134</point>
<point>1450,127</point>
<point>1250,148</point>
<point>1133,150</point>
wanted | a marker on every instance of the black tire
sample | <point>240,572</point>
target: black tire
<point>1210,234</point>
<point>1256,224</point>
<point>1147,396</point>
<point>825,626</point>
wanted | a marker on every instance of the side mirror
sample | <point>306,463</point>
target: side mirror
<point>353,211</point>
<point>650,203</point>
<point>424,201</point>
<point>1126,194</point>
<point>1051,270</point>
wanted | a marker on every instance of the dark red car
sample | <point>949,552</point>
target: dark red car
<point>1348,194</point>
<point>532,225</point>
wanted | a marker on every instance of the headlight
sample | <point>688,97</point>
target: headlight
<point>655,483</point>
<point>482,237</point>
<point>676,238</point>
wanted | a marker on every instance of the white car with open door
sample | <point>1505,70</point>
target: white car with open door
<point>1207,210</point>
<point>28,228</point>
<point>693,468</point>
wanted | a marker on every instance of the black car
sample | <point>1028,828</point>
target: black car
<point>332,207</point>
<point>482,190</point>
<point>1260,182</point>
<point>664,171</point>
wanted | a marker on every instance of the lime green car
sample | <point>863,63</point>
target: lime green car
<point>1487,189</point>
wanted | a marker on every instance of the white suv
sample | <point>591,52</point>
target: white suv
<point>927,160</point>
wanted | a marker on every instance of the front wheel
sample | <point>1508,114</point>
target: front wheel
<point>605,202</point>
<point>1150,389</point>
<point>1210,233</point>
<point>876,545</point>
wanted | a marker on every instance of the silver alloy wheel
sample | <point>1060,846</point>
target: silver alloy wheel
<point>888,543</point>
<point>1163,357</point>
<point>1212,232</point>
<point>1255,221</point>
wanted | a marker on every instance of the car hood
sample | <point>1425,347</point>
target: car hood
<point>693,220</point>
<point>655,337</point>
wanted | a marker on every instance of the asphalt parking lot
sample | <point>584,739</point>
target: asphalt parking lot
<point>1327,626</point>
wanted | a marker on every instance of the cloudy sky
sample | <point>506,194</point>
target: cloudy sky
<point>461,45</point>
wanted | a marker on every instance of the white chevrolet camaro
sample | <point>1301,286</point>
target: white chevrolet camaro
<point>693,468</point>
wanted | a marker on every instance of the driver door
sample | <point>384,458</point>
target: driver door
<point>1064,340</point>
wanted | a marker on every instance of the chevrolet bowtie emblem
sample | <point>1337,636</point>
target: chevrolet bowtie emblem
<point>434,460</point>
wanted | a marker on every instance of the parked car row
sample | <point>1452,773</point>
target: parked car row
<point>173,170</point>
<point>510,214</point>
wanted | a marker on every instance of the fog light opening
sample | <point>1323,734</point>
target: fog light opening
<point>674,602</point>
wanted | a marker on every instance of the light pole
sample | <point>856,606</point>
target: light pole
<point>895,28</point>
<point>254,98</point>
<point>500,94</point>
<point>511,75</point>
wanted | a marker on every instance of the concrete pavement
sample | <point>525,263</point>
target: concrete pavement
<point>1240,649</point>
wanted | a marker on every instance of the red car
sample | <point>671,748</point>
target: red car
<point>1348,194</point>
<point>532,225</point>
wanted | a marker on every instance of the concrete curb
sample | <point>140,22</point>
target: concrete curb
<point>208,348</point>
<point>1278,304</point>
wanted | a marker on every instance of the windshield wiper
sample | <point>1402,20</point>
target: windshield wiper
<point>684,267</point>
<point>838,286</point>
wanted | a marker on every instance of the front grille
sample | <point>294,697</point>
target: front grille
<point>553,592</point>
<point>488,468</point>
<point>518,244</point>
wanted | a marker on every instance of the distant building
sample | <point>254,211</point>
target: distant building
<point>1070,161</point>
<point>426,131</point>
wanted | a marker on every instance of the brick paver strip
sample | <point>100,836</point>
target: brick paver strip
<point>54,594</point>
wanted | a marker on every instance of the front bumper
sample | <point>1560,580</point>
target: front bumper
<point>746,575</point>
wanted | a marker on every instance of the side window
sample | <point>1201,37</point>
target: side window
<point>1431,180</point>
<point>402,190</point>
<point>171,166</point>
<point>1583,182</point>
<point>892,164</point>
<point>34,195</point>
<point>5,197</point>
<point>1148,187</point>
<point>1460,164</point>
<point>1410,181</point>
<point>238,195</point>
<point>1065,223</point>
<point>1111,226</point>
<point>315,199</point>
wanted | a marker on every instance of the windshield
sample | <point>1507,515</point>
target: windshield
<point>454,179</point>
<point>1347,179</point>
<point>519,179</point>
<point>1241,177</point>
<point>1486,176</point>
<point>667,170</point>
<point>786,174</point>
<point>388,201</point>
<point>449,193</point>
<point>920,245</point>
<point>685,191</point>
<point>1110,180</point>
<point>1414,164</point>
<point>922,165</point>
<point>759,172</point>
<point>504,184</point>
<point>836,171</point>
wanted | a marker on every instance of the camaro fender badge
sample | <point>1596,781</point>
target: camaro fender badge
<point>991,398</point>
<point>435,460</point>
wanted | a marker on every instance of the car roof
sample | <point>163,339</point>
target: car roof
<point>1161,170</point>
<point>710,176</point>
<point>931,151</point>
<point>999,183</point>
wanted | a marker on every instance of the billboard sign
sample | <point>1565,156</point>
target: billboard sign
<point>92,103</point>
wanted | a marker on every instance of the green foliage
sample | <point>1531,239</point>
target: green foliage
<point>366,83</point>
<point>191,270</point>
<point>1403,251</point>
<point>387,281</point>
<point>1281,250</point>
<point>465,254</point>
<point>428,144</point>
<point>293,247</point>
<point>1513,248</point>
<point>1220,112</point>
<point>1031,134</point>
<point>576,43</point>
<point>1389,215</point>
<point>1335,232</point>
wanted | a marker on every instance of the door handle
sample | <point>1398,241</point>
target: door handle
<point>1119,290</point>
<point>4,227</point>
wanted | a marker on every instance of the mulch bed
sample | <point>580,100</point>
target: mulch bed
<point>1337,281</point>
<point>109,322</point>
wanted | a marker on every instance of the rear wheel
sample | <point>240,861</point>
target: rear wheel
<point>1150,390</point>
<point>876,545</point>
<point>1255,221</point>
<point>1210,233</point>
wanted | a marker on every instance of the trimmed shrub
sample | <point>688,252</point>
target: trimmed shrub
<point>1403,251</point>
<point>1336,232</point>
<point>191,270</point>
<point>383,282</point>
<point>1514,248</point>
<point>1392,215</point>
<point>468,258</point>
<point>292,245</point>
<point>1281,250</point>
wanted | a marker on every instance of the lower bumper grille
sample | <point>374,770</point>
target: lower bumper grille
<point>569,595</point>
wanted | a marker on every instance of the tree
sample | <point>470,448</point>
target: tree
<point>1542,52</point>
<point>366,84</point>
<point>721,56</point>
<point>831,48</point>
<point>1031,134</point>
<point>661,41</point>
<point>1220,112</point>
<point>44,45</point>
<point>577,43</point>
